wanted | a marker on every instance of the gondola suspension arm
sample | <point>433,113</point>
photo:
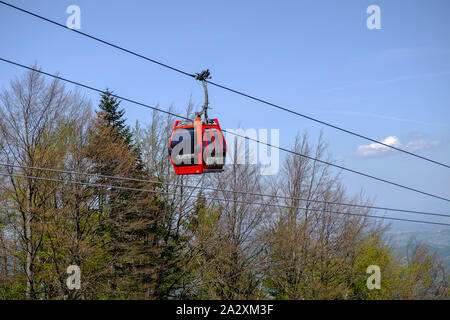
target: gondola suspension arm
<point>203,76</point>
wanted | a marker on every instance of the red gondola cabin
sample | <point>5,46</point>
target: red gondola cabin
<point>197,147</point>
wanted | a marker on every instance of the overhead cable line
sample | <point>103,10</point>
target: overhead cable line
<point>221,190</point>
<point>97,39</point>
<point>235,134</point>
<point>97,185</point>
<point>227,88</point>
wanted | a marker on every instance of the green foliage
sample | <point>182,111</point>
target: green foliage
<point>374,252</point>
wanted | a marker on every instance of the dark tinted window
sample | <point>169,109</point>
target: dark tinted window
<point>181,134</point>
<point>185,156</point>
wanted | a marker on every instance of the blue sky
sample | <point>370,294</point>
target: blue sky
<point>316,57</point>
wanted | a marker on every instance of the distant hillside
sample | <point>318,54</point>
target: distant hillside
<point>436,241</point>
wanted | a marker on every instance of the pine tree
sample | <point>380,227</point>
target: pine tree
<point>113,116</point>
<point>133,225</point>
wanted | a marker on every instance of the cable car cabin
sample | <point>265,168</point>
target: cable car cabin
<point>197,147</point>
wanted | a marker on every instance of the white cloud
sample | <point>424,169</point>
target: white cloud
<point>378,150</point>
<point>421,145</point>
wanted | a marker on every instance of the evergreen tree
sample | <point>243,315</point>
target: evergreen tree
<point>113,116</point>
<point>133,226</point>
